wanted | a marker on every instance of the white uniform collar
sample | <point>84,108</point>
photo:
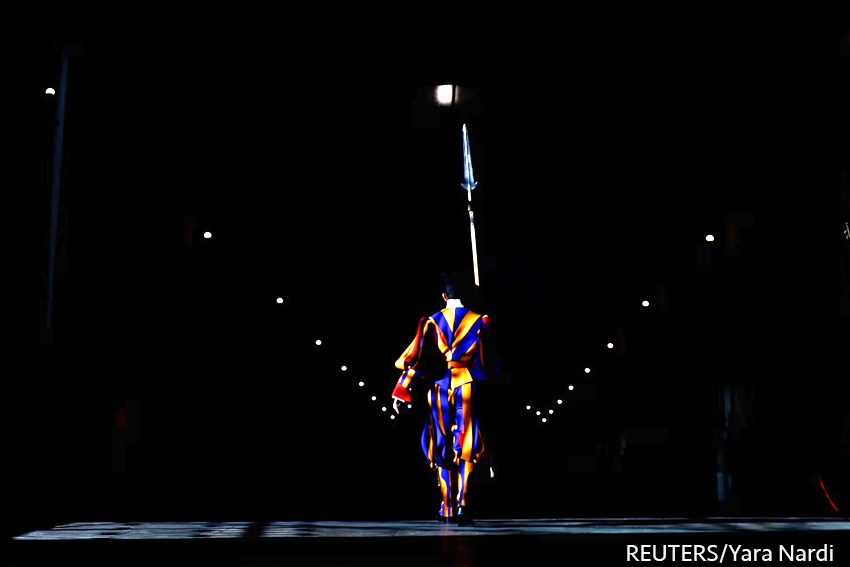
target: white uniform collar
<point>452,303</point>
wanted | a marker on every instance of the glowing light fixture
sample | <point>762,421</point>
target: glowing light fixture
<point>344,368</point>
<point>527,407</point>
<point>384,409</point>
<point>318,342</point>
<point>571,387</point>
<point>280,300</point>
<point>50,91</point>
<point>207,235</point>
<point>392,417</point>
<point>544,420</point>
<point>360,384</point>
<point>645,304</point>
<point>551,411</point>
<point>709,238</point>
<point>374,398</point>
<point>538,413</point>
<point>444,94</point>
<point>610,345</point>
<point>587,370</point>
<point>409,406</point>
<point>560,401</point>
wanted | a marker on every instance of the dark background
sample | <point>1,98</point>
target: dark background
<point>174,387</point>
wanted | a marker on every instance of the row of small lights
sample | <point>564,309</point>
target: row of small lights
<point>444,95</point>
<point>208,235</point>
<point>344,368</point>
<point>570,387</point>
<point>319,343</point>
<point>708,238</point>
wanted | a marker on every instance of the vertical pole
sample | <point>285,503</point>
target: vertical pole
<point>57,175</point>
<point>472,233</point>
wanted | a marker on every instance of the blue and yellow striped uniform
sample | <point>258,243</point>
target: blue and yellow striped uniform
<point>451,438</point>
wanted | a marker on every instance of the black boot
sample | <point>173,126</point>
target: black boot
<point>463,517</point>
<point>443,519</point>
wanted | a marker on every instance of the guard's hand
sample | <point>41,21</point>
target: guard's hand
<point>396,401</point>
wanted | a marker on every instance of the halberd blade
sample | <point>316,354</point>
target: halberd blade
<point>468,177</point>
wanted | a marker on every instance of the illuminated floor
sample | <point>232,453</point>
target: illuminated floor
<point>200,530</point>
<point>490,543</point>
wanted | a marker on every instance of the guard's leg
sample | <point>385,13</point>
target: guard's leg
<point>447,507</point>
<point>464,468</point>
<point>438,400</point>
<point>465,429</point>
<point>467,443</point>
<point>439,451</point>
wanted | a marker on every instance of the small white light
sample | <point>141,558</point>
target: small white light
<point>444,94</point>
<point>50,91</point>
<point>709,238</point>
<point>610,345</point>
<point>587,370</point>
<point>280,300</point>
<point>544,420</point>
<point>344,368</point>
<point>527,407</point>
<point>207,235</point>
<point>645,304</point>
<point>409,406</point>
<point>392,417</point>
<point>360,384</point>
<point>560,401</point>
<point>571,387</point>
<point>538,413</point>
<point>374,398</point>
<point>383,409</point>
<point>318,342</point>
<point>551,411</point>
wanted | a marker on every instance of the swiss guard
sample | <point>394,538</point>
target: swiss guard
<point>452,441</point>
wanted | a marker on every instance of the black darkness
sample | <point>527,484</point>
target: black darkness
<point>336,185</point>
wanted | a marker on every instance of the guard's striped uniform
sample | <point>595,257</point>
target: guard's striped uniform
<point>451,438</point>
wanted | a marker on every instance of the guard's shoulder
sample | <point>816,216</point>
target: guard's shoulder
<point>423,321</point>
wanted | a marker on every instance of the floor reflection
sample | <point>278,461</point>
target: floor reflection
<point>214,530</point>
